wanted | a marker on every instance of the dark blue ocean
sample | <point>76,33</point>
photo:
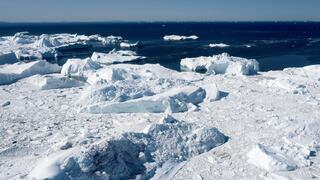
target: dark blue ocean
<point>275,45</point>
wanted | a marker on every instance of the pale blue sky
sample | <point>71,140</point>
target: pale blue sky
<point>159,10</point>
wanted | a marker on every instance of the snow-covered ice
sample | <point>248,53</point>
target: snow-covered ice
<point>179,38</point>
<point>115,56</point>
<point>20,70</point>
<point>221,64</point>
<point>264,126</point>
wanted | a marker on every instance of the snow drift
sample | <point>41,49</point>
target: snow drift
<point>221,64</point>
<point>11,73</point>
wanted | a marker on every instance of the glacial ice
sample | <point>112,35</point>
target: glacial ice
<point>179,38</point>
<point>221,64</point>
<point>53,81</point>
<point>11,73</point>
<point>130,45</point>
<point>132,155</point>
<point>8,58</point>
<point>115,57</point>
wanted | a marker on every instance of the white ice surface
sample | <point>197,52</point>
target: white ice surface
<point>115,57</point>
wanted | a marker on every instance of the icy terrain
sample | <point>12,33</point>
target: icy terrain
<point>92,119</point>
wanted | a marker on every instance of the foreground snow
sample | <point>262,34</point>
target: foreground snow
<point>217,127</point>
<point>221,64</point>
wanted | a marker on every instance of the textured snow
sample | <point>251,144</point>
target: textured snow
<point>219,45</point>
<point>20,70</point>
<point>115,57</point>
<point>264,126</point>
<point>131,154</point>
<point>179,38</point>
<point>221,64</point>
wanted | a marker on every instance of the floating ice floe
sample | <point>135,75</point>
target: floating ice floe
<point>11,73</point>
<point>115,56</point>
<point>53,81</point>
<point>80,69</point>
<point>179,38</point>
<point>219,45</point>
<point>132,155</point>
<point>221,64</point>
<point>128,45</point>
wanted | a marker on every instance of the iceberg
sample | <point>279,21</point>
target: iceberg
<point>179,38</point>
<point>79,68</point>
<point>12,73</point>
<point>128,45</point>
<point>116,57</point>
<point>221,64</point>
<point>8,58</point>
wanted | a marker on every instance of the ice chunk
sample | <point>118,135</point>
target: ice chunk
<point>219,45</point>
<point>178,38</point>
<point>80,68</point>
<point>115,57</point>
<point>54,81</point>
<point>20,70</point>
<point>8,58</point>
<point>176,100</point>
<point>109,74</point>
<point>221,64</point>
<point>269,159</point>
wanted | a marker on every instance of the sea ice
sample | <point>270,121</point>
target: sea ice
<point>219,45</point>
<point>11,73</point>
<point>221,64</point>
<point>128,45</point>
<point>179,38</point>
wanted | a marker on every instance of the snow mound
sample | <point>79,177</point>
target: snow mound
<point>270,159</point>
<point>174,100</point>
<point>221,64</point>
<point>179,38</point>
<point>131,155</point>
<point>11,73</point>
<point>115,57</point>
<point>128,45</point>
<point>53,81</point>
<point>219,45</point>
<point>79,68</point>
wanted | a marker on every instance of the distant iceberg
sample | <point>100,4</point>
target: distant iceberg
<point>179,38</point>
<point>221,64</point>
<point>115,56</point>
<point>128,45</point>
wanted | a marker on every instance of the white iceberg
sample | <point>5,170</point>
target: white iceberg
<point>221,64</point>
<point>115,57</point>
<point>219,45</point>
<point>179,38</point>
<point>11,73</point>
<point>53,81</point>
<point>79,68</point>
<point>175,100</point>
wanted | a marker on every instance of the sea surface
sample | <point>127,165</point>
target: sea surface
<point>276,45</point>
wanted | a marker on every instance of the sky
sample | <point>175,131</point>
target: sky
<point>158,10</point>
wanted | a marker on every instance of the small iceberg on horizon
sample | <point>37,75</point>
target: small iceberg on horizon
<point>179,38</point>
